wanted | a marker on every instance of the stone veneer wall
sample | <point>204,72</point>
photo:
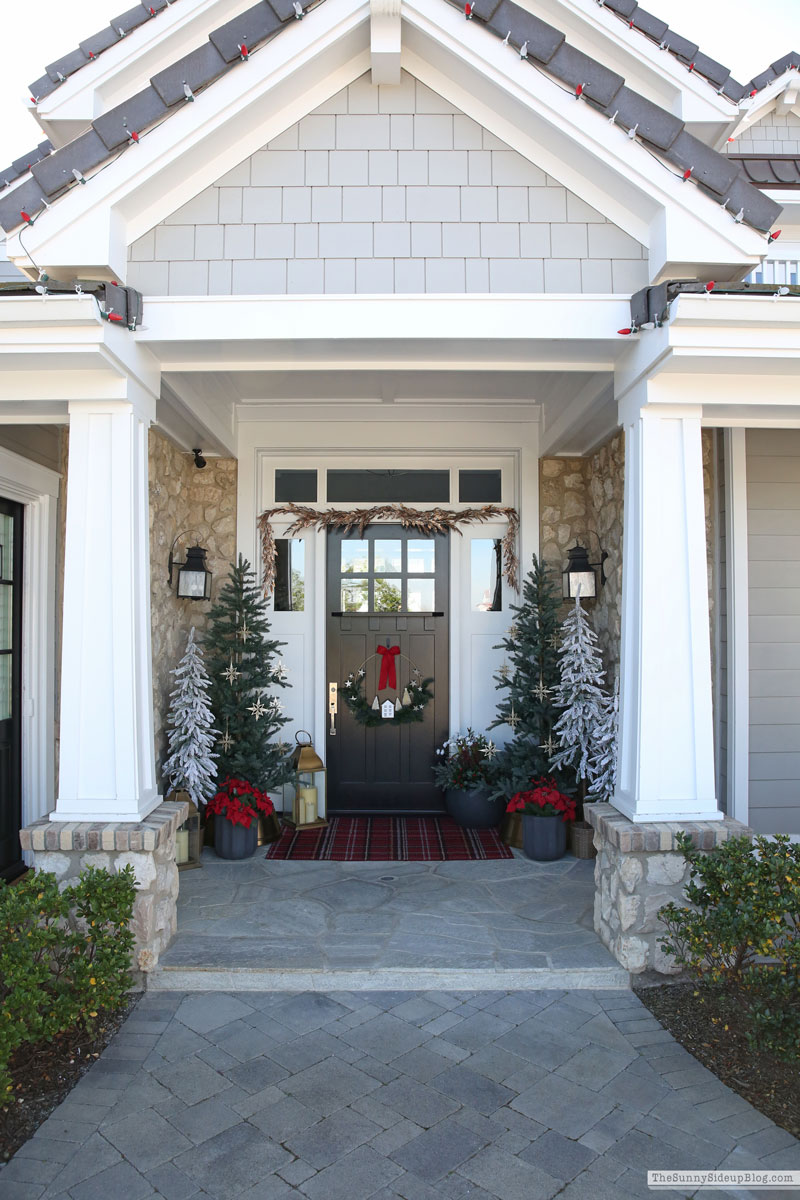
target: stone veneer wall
<point>639,870</point>
<point>581,494</point>
<point>578,495</point>
<point>204,502</point>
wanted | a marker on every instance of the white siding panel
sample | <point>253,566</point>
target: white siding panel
<point>773,504</point>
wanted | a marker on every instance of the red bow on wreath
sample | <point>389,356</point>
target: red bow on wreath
<point>388,677</point>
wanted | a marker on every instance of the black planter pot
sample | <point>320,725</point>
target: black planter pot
<point>234,841</point>
<point>474,809</point>
<point>543,838</point>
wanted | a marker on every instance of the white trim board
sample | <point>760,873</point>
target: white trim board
<point>37,488</point>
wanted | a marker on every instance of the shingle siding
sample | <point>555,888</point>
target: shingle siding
<point>386,190</point>
<point>776,134</point>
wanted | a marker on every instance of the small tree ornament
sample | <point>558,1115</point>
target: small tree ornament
<point>190,766</point>
<point>244,667</point>
<point>526,682</point>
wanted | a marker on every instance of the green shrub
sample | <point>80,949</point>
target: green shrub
<point>64,955</point>
<point>743,929</point>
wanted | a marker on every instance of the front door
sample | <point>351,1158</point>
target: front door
<point>388,588</point>
<point>10,687</point>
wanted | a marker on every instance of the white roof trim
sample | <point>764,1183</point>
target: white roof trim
<point>89,228</point>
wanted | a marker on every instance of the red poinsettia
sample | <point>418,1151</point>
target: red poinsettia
<point>240,802</point>
<point>543,799</point>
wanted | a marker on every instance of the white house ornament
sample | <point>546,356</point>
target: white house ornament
<point>387,710</point>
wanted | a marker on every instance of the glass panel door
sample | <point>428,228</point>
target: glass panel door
<point>10,687</point>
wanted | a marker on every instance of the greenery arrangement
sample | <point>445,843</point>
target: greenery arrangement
<point>240,802</point>
<point>242,663</point>
<point>467,762</point>
<point>543,799</point>
<point>65,956</point>
<point>528,685</point>
<point>743,930</point>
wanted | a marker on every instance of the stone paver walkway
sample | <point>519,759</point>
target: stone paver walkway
<point>321,917</point>
<point>382,1096</point>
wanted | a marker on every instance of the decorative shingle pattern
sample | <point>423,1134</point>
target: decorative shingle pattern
<point>778,171</point>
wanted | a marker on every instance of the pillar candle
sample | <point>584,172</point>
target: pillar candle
<point>308,796</point>
<point>182,846</point>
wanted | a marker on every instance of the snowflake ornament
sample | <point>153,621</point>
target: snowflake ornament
<point>489,750</point>
<point>231,673</point>
<point>550,746</point>
<point>259,709</point>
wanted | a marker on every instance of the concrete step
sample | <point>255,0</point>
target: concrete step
<point>182,978</point>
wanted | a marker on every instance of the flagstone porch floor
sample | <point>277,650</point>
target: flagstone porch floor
<point>315,925</point>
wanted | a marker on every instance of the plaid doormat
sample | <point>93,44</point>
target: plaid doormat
<point>389,839</point>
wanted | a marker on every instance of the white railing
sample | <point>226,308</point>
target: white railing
<point>778,270</point>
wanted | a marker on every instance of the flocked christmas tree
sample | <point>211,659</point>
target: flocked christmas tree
<point>244,665</point>
<point>190,766</point>
<point>603,766</point>
<point>580,697</point>
<point>527,681</point>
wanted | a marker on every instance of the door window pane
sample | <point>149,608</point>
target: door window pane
<point>388,595</point>
<point>420,595</point>
<point>6,613</point>
<point>5,687</point>
<point>291,486</point>
<point>385,486</point>
<point>6,546</point>
<point>355,557</point>
<point>422,556</point>
<point>486,581</point>
<point>481,487</point>
<point>355,593</point>
<point>290,575</point>
<point>388,557</point>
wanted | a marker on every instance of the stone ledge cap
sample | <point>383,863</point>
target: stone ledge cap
<point>147,835</point>
<point>653,836</point>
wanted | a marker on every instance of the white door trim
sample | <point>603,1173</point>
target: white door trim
<point>36,488</point>
<point>737,585</point>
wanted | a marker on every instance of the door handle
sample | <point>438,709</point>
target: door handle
<point>333,706</point>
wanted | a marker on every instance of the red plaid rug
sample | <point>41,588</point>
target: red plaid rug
<point>389,839</point>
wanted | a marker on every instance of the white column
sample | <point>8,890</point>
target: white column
<point>666,767</point>
<point>107,765</point>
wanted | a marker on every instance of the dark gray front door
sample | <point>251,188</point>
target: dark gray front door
<point>389,587</point>
<point>10,687</point>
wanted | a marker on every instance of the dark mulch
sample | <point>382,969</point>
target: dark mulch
<point>44,1074</point>
<point>711,1023</point>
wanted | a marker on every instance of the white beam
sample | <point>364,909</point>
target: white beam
<point>385,41</point>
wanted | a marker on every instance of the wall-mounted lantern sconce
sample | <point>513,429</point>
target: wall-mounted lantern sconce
<point>579,576</point>
<point>194,577</point>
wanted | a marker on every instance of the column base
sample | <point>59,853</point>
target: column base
<point>112,810</point>
<point>638,870</point>
<point>148,846</point>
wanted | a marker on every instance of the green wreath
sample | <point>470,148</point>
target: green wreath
<point>419,693</point>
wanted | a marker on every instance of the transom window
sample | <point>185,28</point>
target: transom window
<point>385,574</point>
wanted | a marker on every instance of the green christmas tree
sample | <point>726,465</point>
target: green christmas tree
<point>527,682</point>
<point>244,666</point>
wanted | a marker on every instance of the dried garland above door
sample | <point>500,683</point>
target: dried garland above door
<point>425,521</point>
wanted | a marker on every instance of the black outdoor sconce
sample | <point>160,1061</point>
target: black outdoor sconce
<point>579,577</point>
<point>194,577</point>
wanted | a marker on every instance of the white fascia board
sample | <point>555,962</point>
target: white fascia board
<point>127,67</point>
<point>645,67</point>
<point>399,318</point>
<point>572,142</point>
<point>61,340</point>
<point>172,163</point>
